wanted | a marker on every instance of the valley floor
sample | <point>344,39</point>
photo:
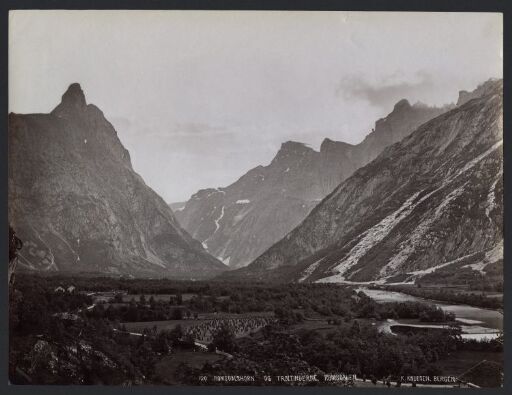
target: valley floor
<point>134,332</point>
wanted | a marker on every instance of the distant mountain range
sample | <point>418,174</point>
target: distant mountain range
<point>239,222</point>
<point>431,203</point>
<point>78,205</point>
<point>420,197</point>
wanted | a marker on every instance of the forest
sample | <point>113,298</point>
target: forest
<point>173,332</point>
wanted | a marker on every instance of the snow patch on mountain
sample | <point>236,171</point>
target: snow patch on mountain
<point>491,197</point>
<point>218,220</point>
<point>225,261</point>
<point>217,226</point>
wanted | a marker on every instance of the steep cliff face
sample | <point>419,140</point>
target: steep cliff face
<point>239,222</point>
<point>77,203</point>
<point>481,90</point>
<point>398,124</point>
<point>431,201</point>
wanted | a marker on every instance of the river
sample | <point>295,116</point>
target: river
<point>476,323</point>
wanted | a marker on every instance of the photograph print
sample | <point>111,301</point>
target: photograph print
<point>255,198</point>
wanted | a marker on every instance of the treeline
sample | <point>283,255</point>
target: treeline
<point>289,305</point>
<point>132,286</point>
<point>366,307</point>
<point>447,295</point>
<point>81,347</point>
<point>142,311</point>
<point>292,302</point>
<point>32,306</point>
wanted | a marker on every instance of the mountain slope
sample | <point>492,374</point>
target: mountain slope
<point>78,205</point>
<point>239,222</point>
<point>433,200</point>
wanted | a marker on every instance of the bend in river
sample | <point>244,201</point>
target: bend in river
<point>478,323</point>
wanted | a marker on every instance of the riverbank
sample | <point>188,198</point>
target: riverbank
<point>479,299</point>
<point>475,322</point>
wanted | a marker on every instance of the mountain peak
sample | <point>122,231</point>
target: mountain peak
<point>329,145</point>
<point>81,152</point>
<point>402,104</point>
<point>72,100</point>
<point>294,146</point>
<point>483,89</point>
<point>74,95</point>
<point>291,149</point>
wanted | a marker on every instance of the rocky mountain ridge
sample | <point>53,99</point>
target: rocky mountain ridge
<point>239,222</point>
<point>431,203</point>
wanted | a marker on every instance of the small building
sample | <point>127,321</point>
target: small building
<point>59,289</point>
<point>71,289</point>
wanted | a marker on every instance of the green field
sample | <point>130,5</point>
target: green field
<point>317,325</point>
<point>158,297</point>
<point>160,325</point>
<point>171,324</point>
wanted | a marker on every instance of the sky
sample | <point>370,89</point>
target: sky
<point>201,97</point>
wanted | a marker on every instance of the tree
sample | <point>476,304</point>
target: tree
<point>176,334</point>
<point>15,244</point>
<point>160,344</point>
<point>177,314</point>
<point>224,339</point>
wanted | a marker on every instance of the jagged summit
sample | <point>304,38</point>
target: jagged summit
<point>290,150</point>
<point>481,90</point>
<point>402,104</point>
<point>329,145</point>
<point>294,146</point>
<point>73,100</point>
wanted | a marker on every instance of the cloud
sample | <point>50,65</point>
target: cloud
<point>387,91</point>
<point>134,127</point>
<point>196,128</point>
